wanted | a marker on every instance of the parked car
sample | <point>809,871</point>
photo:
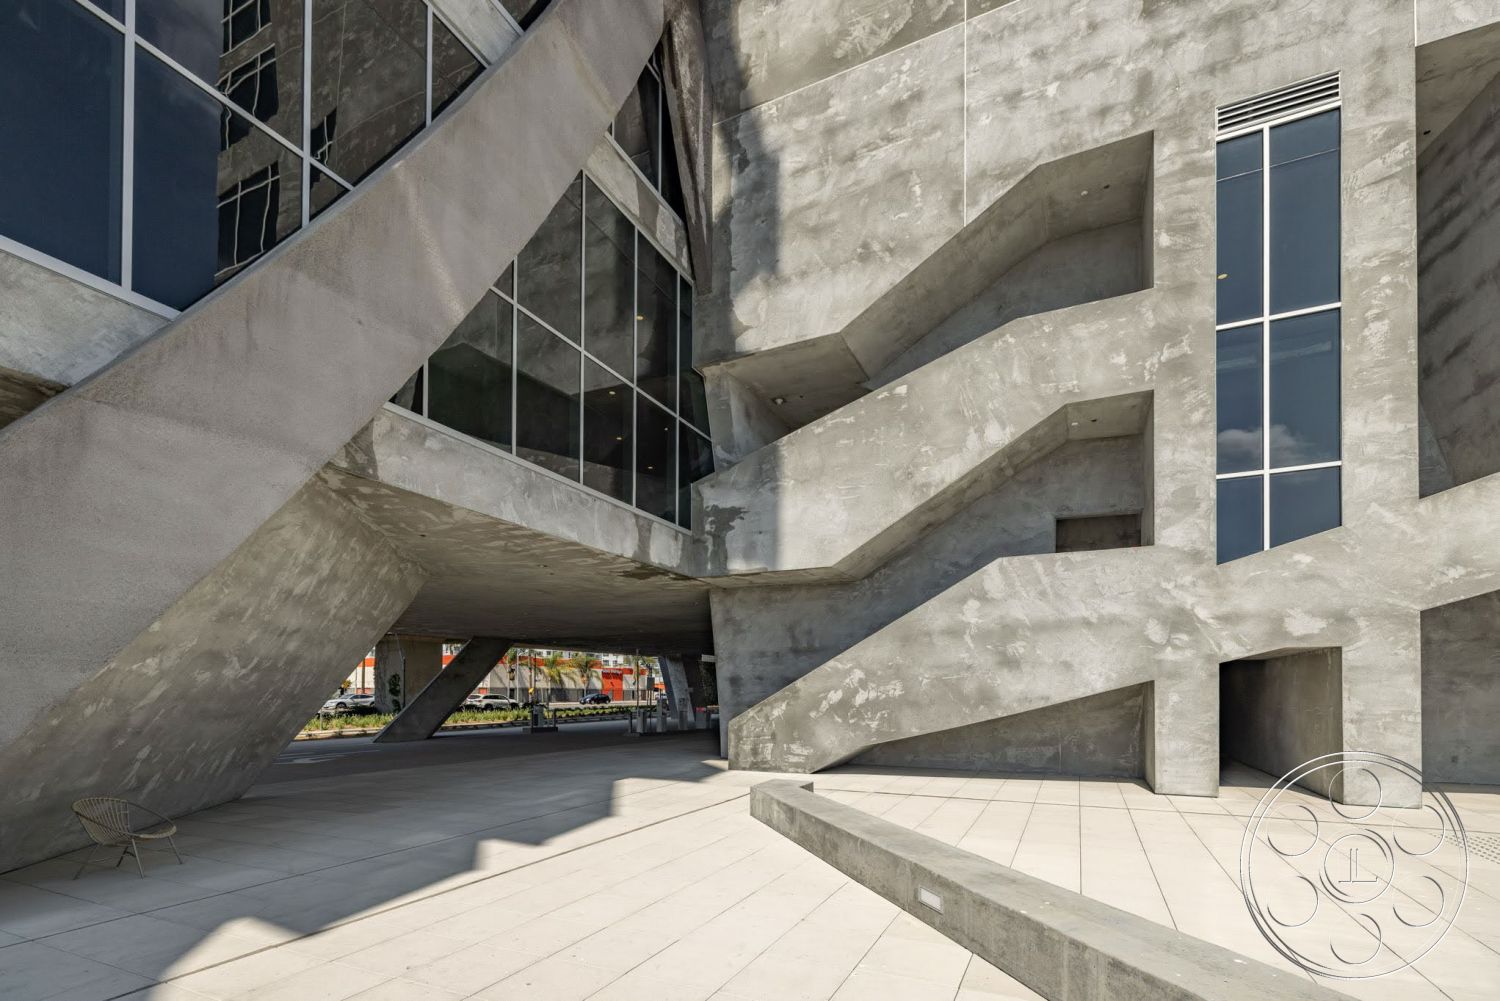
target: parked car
<point>346,703</point>
<point>490,701</point>
<point>595,699</point>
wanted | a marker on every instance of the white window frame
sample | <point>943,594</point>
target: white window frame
<point>1266,318</point>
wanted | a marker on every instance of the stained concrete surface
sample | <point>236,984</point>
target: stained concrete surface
<point>1099,735</point>
<point>190,711</point>
<point>1461,690</point>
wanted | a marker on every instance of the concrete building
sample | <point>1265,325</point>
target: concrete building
<point>1099,387</point>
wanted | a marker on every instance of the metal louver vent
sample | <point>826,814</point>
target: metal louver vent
<point>1280,103</point>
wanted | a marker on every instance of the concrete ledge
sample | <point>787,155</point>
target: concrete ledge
<point>1061,944</point>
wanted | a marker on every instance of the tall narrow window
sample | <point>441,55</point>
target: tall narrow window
<point>1279,457</point>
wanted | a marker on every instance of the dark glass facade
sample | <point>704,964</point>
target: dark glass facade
<point>228,146</point>
<point>643,131</point>
<point>1278,338</point>
<point>600,387</point>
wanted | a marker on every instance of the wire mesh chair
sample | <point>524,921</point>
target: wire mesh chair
<point>107,821</point>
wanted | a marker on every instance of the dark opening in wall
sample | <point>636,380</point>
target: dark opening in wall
<point>1282,710</point>
<point>1109,531</point>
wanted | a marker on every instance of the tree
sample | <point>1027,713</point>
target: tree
<point>586,666</point>
<point>552,670</point>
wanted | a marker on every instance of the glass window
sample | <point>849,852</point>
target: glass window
<point>264,77</point>
<point>655,460</point>
<point>525,11</point>
<point>201,213</point>
<point>547,383</point>
<point>243,19</point>
<point>695,460</point>
<point>637,127</point>
<point>1304,218</point>
<point>1239,389</point>
<point>607,415</point>
<point>1304,503</point>
<point>1240,517</point>
<point>61,69</point>
<point>691,399</point>
<point>1240,226</point>
<point>1305,389</point>
<point>549,270</point>
<point>412,392</point>
<point>453,66</point>
<point>193,31</point>
<point>656,325</point>
<point>671,176</point>
<point>369,61</point>
<point>471,374</point>
<point>609,304</point>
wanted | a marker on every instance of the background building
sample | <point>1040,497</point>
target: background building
<point>1099,388</point>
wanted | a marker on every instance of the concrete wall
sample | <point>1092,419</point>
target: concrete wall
<point>850,157</point>
<point>1096,735</point>
<point>814,623</point>
<point>1096,264</point>
<point>191,710</point>
<point>1277,713</point>
<point>1458,181</point>
<point>1461,691</point>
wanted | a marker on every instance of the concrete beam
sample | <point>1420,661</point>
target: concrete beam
<point>446,692</point>
<point>1061,944</point>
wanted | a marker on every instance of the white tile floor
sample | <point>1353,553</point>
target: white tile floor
<point>617,871</point>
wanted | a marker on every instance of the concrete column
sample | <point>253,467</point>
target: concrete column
<point>445,692</point>
<point>1382,712</point>
<point>404,665</point>
<point>679,693</point>
<point>1182,733</point>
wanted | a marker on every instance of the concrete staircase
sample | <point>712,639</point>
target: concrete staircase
<point>170,559</point>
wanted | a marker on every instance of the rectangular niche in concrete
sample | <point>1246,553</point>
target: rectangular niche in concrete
<point>1110,531</point>
<point>1280,711</point>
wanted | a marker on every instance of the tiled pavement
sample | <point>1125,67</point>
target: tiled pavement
<point>493,867</point>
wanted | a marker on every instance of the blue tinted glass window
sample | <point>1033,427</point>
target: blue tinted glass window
<point>191,31</point>
<point>1305,389</point>
<point>1240,517</point>
<point>60,175</point>
<point>1304,217</point>
<point>202,213</point>
<point>1305,137</point>
<point>1239,395</point>
<point>1304,503</point>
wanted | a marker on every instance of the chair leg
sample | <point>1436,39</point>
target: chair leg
<point>136,851</point>
<point>174,849</point>
<point>123,853</point>
<point>92,852</point>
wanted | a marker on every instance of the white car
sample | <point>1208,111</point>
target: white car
<point>343,703</point>
<point>490,701</point>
